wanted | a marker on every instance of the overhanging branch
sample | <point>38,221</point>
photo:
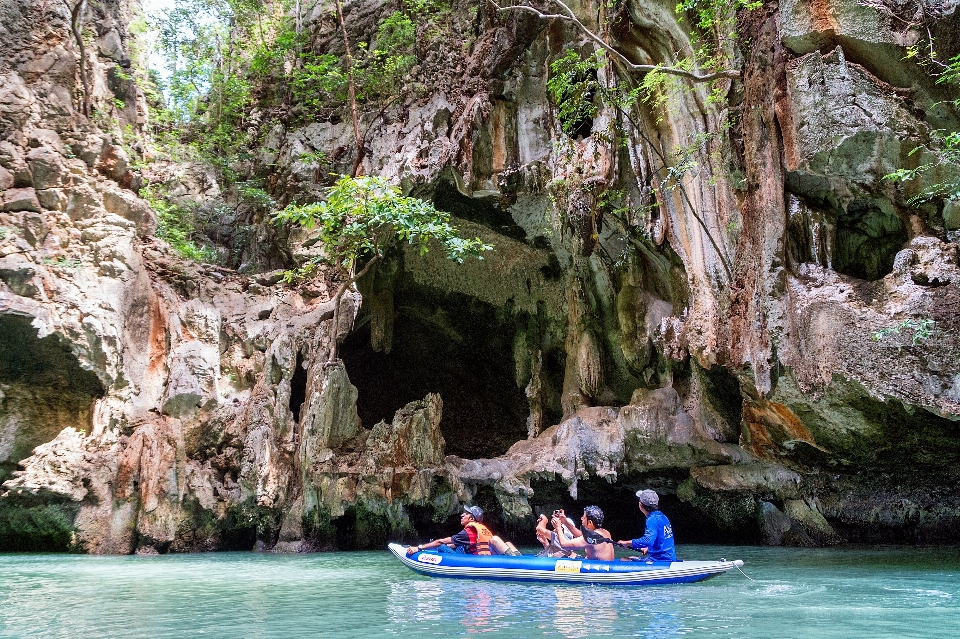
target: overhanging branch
<point>567,15</point>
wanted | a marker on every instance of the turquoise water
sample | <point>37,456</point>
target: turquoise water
<point>794,593</point>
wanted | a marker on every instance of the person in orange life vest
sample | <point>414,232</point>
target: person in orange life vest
<point>594,540</point>
<point>474,539</point>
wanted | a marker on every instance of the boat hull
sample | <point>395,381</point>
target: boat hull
<point>558,570</point>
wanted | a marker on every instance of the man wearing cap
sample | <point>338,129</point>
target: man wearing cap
<point>657,540</point>
<point>474,539</point>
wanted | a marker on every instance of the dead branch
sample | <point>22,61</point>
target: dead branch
<point>567,15</point>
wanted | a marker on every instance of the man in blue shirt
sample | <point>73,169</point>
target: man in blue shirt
<point>657,540</point>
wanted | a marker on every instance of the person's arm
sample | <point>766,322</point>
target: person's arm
<point>649,536</point>
<point>436,543</point>
<point>570,544</point>
<point>542,527</point>
<point>563,520</point>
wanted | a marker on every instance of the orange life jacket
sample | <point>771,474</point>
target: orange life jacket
<point>483,538</point>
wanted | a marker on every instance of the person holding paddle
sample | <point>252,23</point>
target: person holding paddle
<point>594,540</point>
<point>657,540</point>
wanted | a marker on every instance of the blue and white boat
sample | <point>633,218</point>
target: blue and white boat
<point>559,570</point>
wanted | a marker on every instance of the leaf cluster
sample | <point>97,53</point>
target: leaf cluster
<point>710,14</point>
<point>573,87</point>
<point>922,330</point>
<point>943,151</point>
<point>361,216</point>
<point>177,224</point>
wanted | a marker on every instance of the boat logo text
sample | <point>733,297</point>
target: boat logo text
<point>567,566</point>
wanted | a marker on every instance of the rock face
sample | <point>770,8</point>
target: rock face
<point>775,350</point>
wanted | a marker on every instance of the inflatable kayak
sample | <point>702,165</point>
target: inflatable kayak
<point>559,570</point>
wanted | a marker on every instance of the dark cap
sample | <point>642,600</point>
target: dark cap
<point>475,511</point>
<point>648,498</point>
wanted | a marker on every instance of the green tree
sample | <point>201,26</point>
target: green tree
<point>942,151</point>
<point>361,217</point>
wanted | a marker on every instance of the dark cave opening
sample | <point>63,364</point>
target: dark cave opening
<point>622,516</point>
<point>44,388</point>
<point>449,344</point>
<point>867,241</point>
<point>480,210</point>
<point>48,362</point>
<point>722,390</point>
<point>859,239</point>
<point>298,388</point>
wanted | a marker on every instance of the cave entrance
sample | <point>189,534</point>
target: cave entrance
<point>622,517</point>
<point>449,344</point>
<point>298,388</point>
<point>43,390</point>
<point>868,238</point>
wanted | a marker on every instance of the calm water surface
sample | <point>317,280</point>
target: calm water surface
<point>871,593</point>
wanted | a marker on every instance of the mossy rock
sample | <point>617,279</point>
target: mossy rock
<point>37,528</point>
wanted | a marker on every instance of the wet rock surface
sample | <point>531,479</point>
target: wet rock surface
<point>778,355</point>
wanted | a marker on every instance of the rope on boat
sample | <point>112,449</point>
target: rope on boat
<point>740,569</point>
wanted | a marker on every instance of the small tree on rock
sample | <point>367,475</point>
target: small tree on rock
<point>361,216</point>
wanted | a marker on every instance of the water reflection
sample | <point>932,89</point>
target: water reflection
<point>584,612</point>
<point>573,612</point>
<point>413,601</point>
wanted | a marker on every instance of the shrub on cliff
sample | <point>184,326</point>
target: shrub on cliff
<point>36,528</point>
<point>359,219</point>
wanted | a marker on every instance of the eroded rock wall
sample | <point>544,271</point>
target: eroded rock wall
<point>718,347</point>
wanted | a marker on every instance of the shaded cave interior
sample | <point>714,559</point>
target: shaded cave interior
<point>461,348</point>
<point>357,529</point>
<point>43,389</point>
<point>860,238</point>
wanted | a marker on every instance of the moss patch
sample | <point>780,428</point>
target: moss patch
<point>37,527</point>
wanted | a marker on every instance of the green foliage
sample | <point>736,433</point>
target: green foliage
<point>252,194</point>
<point>314,158</point>
<point>191,34</point>
<point>36,527</point>
<point>391,59</point>
<point>943,151</point>
<point>361,216</point>
<point>944,148</point>
<point>63,262</point>
<point>709,14</point>
<point>573,86</point>
<point>177,225</point>
<point>319,81</point>
<point>922,329</point>
<point>658,88</point>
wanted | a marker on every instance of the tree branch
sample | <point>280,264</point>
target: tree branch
<point>352,92</point>
<point>362,143</point>
<point>334,344</point>
<point>569,16</point>
<point>76,26</point>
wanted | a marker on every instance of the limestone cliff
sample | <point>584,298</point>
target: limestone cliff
<point>715,342</point>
